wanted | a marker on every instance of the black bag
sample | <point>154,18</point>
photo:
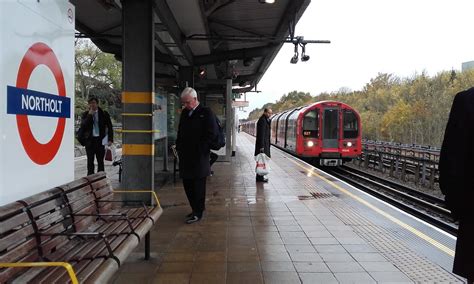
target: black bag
<point>220,142</point>
<point>81,136</point>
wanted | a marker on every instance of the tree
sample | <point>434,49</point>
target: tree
<point>98,74</point>
<point>411,110</point>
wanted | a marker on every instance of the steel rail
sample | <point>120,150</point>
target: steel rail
<point>393,196</point>
<point>425,196</point>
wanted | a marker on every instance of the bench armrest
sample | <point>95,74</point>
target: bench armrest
<point>123,216</point>
<point>66,266</point>
<point>155,196</point>
<point>123,201</point>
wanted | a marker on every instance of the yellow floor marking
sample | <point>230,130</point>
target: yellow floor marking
<point>421,235</point>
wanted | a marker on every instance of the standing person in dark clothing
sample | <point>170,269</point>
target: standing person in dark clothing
<point>95,126</point>
<point>456,169</point>
<point>197,130</point>
<point>262,142</point>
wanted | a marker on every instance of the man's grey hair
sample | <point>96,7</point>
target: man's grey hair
<point>188,91</point>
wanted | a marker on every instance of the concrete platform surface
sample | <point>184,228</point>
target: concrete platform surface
<point>289,230</point>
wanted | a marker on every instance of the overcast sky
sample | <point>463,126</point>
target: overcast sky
<point>402,37</point>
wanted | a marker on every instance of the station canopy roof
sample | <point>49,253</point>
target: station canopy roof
<point>220,39</point>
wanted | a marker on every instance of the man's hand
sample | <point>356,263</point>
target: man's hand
<point>91,112</point>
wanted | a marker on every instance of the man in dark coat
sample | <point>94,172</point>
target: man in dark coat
<point>262,142</point>
<point>456,169</point>
<point>95,126</point>
<point>197,130</point>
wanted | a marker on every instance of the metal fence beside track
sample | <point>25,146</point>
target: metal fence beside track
<point>408,163</point>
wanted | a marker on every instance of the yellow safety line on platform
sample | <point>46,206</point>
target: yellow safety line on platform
<point>137,131</point>
<point>423,236</point>
<point>141,191</point>
<point>138,149</point>
<point>138,98</point>
<point>136,114</point>
<point>66,265</point>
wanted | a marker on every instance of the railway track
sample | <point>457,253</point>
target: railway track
<point>429,208</point>
<point>424,206</point>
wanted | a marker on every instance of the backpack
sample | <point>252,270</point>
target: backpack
<point>220,141</point>
<point>81,136</point>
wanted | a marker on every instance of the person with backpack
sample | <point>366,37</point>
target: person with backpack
<point>197,133</point>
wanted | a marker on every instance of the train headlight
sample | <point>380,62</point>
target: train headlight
<point>310,143</point>
<point>349,144</point>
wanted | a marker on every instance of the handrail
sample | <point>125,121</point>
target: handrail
<point>66,266</point>
<point>141,191</point>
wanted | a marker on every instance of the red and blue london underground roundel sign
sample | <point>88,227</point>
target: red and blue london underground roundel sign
<point>24,102</point>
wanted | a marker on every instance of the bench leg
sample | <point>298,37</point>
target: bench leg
<point>147,246</point>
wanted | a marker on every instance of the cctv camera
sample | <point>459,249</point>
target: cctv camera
<point>294,59</point>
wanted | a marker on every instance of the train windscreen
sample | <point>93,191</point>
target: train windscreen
<point>311,124</point>
<point>351,129</point>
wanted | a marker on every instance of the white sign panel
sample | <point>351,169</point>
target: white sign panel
<point>36,97</point>
<point>240,103</point>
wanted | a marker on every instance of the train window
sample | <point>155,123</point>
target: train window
<point>350,125</point>
<point>311,124</point>
<point>331,124</point>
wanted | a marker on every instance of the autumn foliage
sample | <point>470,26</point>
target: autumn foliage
<point>407,110</point>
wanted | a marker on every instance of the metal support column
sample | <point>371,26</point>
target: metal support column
<point>165,154</point>
<point>229,119</point>
<point>234,131</point>
<point>138,98</point>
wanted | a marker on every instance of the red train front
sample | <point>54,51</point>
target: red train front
<point>326,132</point>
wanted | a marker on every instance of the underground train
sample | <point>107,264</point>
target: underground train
<point>327,133</point>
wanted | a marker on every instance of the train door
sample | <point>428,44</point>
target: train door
<point>330,128</point>
<point>286,126</point>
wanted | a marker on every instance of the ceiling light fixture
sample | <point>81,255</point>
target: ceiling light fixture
<point>299,41</point>
<point>294,59</point>
<point>266,1</point>
<point>202,72</point>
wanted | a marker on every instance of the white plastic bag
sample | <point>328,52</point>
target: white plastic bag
<point>261,168</point>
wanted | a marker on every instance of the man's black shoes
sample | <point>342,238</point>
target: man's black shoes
<point>192,219</point>
<point>261,179</point>
<point>189,215</point>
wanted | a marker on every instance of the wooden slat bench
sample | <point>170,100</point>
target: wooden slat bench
<point>80,226</point>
